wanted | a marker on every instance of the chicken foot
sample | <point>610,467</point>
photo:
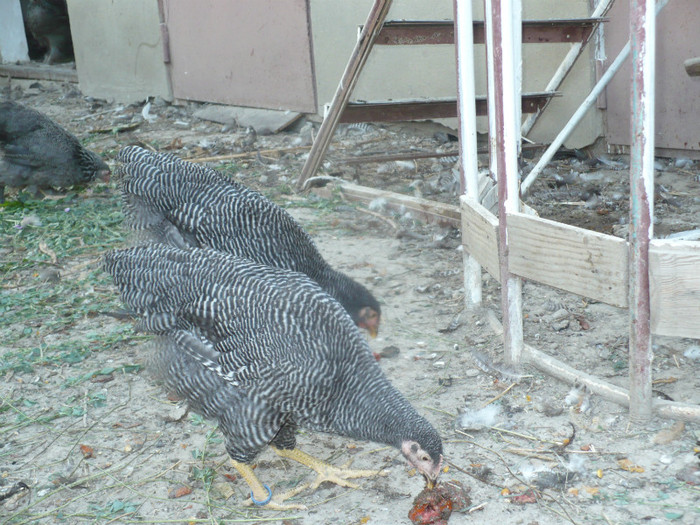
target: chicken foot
<point>326,471</point>
<point>261,495</point>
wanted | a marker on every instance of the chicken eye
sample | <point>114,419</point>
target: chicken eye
<point>425,458</point>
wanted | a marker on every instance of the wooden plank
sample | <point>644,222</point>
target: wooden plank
<point>423,32</point>
<point>570,258</point>
<point>675,288</point>
<point>480,234</point>
<point>40,72</point>
<point>426,210</point>
<point>359,55</point>
<point>264,121</point>
<point>428,109</point>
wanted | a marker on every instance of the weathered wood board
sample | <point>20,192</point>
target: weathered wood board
<point>674,275</point>
<point>581,261</point>
<point>427,210</point>
<point>480,235</point>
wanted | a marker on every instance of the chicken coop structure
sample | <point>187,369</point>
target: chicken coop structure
<point>655,279</point>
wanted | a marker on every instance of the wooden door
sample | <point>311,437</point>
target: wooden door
<point>254,53</point>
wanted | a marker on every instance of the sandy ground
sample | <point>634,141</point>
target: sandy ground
<point>99,441</point>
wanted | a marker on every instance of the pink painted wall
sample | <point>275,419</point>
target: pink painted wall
<point>253,53</point>
<point>677,94</point>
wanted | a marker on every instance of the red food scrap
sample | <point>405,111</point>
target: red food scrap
<point>434,506</point>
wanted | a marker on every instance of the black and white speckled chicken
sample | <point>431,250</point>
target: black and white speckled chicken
<point>185,204</point>
<point>37,153</point>
<point>264,351</point>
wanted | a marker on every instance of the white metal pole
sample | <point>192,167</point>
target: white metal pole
<point>466,94</point>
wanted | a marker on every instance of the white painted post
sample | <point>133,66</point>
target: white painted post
<point>466,109</point>
<point>643,44</point>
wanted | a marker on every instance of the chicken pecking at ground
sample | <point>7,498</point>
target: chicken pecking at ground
<point>185,204</point>
<point>38,154</point>
<point>264,351</point>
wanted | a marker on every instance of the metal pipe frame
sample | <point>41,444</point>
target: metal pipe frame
<point>502,19</point>
<point>580,112</point>
<point>468,152</point>
<point>643,49</point>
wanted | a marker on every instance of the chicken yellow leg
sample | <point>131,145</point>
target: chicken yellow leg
<point>326,471</point>
<point>261,495</point>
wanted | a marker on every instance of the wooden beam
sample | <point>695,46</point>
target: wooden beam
<point>424,209</point>
<point>411,32</point>
<point>574,259</point>
<point>564,372</point>
<point>39,72</point>
<point>359,55</point>
<point>675,288</point>
<point>428,109</point>
<point>641,214</point>
<point>480,234</point>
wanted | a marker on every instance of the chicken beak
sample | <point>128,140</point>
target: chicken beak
<point>430,483</point>
<point>369,320</point>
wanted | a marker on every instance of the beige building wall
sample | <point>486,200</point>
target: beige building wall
<point>414,72</point>
<point>119,55</point>
<point>119,49</point>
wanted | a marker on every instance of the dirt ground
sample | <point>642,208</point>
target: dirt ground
<point>95,439</point>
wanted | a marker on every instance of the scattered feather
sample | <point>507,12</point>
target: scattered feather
<point>579,397</point>
<point>478,419</point>
<point>683,163</point>
<point>378,204</point>
<point>146,113</point>
<point>32,221</point>
<point>692,353</point>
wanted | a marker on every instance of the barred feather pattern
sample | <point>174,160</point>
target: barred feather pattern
<point>185,204</point>
<point>262,350</point>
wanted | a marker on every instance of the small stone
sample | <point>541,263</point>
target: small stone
<point>389,351</point>
<point>560,325</point>
<point>560,314</point>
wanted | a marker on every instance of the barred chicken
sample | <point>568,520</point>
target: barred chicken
<point>38,154</point>
<point>185,204</point>
<point>265,351</point>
